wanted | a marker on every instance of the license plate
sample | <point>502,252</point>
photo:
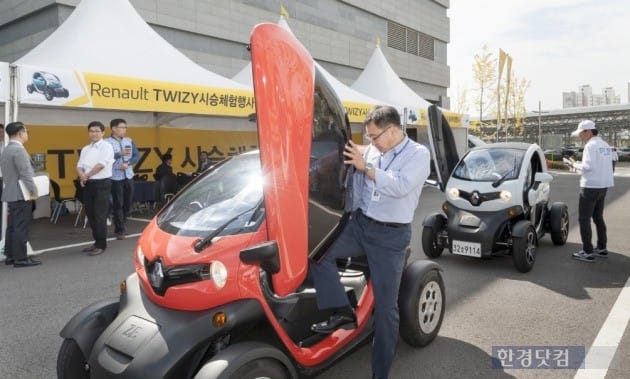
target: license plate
<point>469,249</point>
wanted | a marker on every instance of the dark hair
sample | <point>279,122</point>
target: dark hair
<point>96,123</point>
<point>14,128</point>
<point>382,116</point>
<point>116,122</point>
<point>594,131</point>
<point>1,126</point>
<point>166,157</point>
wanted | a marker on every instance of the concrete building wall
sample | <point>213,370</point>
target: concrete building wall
<point>340,34</point>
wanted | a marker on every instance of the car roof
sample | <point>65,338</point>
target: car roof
<point>504,145</point>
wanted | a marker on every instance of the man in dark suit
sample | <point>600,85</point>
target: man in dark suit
<point>16,165</point>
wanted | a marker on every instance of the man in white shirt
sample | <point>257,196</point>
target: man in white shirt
<point>95,173</point>
<point>597,176</point>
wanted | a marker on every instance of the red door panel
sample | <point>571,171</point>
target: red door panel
<point>283,75</point>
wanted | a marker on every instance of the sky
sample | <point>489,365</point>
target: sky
<point>558,45</point>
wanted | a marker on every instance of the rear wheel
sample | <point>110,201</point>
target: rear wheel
<point>559,223</point>
<point>524,247</point>
<point>71,363</point>
<point>421,315</point>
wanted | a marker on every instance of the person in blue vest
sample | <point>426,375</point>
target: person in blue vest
<point>126,155</point>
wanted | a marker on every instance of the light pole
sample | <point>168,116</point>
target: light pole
<point>539,125</point>
<point>540,112</point>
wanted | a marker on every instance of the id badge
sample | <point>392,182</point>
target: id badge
<point>376,196</point>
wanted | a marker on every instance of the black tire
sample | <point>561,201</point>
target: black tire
<point>29,88</point>
<point>48,94</point>
<point>71,363</point>
<point>261,369</point>
<point>248,360</point>
<point>524,248</point>
<point>421,316</point>
<point>559,223</point>
<point>430,244</point>
<point>65,93</point>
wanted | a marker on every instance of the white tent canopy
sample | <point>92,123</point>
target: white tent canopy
<point>352,99</point>
<point>111,37</point>
<point>379,80</point>
<point>106,56</point>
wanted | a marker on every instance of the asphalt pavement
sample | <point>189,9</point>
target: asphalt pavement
<point>561,302</point>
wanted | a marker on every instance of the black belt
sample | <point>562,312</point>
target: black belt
<point>373,221</point>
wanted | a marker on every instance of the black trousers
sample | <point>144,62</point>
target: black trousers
<point>20,216</point>
<point>591,205</point>
<point>96,201</point>
<point>122,196</point>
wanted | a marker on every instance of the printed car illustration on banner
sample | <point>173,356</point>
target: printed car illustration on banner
<point>220,287</point>
<point>47,84</point>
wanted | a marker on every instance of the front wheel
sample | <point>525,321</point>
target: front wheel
<point>248,360</point>
<point>559,223</point>
<point>422,312</point>
<point>524,246</point>
<point>430,243</point>
<point>71,363</point>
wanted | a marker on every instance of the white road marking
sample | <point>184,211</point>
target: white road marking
<point>36,252</point>
<point>601,353</point>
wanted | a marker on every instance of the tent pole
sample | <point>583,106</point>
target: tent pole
<point>13,101</point>
<point>10,115</point>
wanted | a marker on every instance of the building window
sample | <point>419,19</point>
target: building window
<point>410,41</point>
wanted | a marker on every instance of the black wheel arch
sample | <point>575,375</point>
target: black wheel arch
<point>436,220</point>
<point>87,325</point>
<point>521,228</point>
<point>412,276</point>
<point>227,361</point>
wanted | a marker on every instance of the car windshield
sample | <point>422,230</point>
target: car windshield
<point>231,192</point>
<point>489,165</point>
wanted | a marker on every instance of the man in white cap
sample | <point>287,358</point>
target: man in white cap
<point>597,177</point>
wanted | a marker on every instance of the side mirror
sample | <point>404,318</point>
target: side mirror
<point>543,177</point>
<point>264,254</point>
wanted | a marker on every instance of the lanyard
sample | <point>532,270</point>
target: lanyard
<point>394,158</point>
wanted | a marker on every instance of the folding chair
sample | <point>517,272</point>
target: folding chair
<point>61,202</point>
<point>78,194</point>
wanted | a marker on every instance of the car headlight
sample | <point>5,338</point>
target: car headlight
<point>218,273</point>
<point>505,195</point>
<point>453,193</point>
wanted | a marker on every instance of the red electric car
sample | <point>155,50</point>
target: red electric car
<point>220,288</point>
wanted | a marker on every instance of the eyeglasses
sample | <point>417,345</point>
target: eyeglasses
<point>370,138</point>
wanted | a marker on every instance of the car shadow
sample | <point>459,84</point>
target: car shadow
<point>412,363</point>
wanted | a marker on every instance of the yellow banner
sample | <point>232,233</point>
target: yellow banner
<point>114,92</point>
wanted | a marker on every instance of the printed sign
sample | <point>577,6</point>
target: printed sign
<point>69,88</point>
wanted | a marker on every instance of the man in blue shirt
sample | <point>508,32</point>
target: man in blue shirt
<point>126,155</point>
<point>387,183</point>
